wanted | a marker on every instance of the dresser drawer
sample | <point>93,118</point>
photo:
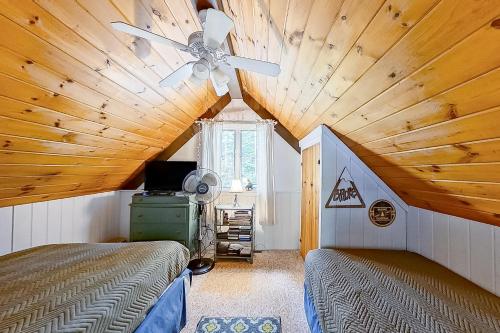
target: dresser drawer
<point>157,231</point>
<point>144,199</point>
<point>159,215</point>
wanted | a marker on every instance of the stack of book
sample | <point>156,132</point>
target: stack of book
<point>233,249</point>
<point>246,251</point>
<point>245,233</point>
<point>232,234</point>
<point>242,233</point>
<point>240,217</point>
<point>235,233</point>
<point>222,232</point>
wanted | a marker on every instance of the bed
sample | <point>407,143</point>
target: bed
<point>122,287</point>
<point>392,291</point>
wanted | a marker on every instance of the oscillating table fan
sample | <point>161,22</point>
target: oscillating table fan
<point>201,186</point>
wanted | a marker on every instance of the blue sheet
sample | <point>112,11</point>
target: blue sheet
<point>168,315</point>
<point>312,317</point>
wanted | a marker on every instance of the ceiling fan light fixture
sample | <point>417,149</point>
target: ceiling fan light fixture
<point>194,80</point>
<point>220,90</point>
<point>220,77</point>
<point>201,69</point>
<point>219,81</point>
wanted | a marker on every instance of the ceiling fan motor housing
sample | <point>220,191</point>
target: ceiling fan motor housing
<point>195,42</point>
<point>204,4</point>
<point>200,51</point>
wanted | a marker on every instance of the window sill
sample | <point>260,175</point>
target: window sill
<point>242,194</point>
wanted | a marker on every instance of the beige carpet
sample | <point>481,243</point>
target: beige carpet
<point>272,286</point>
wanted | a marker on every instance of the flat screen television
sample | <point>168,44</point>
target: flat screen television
<point>163,176</point>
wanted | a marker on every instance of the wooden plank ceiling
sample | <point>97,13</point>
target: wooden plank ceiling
<point>80,104</point>
<point>413,87</point>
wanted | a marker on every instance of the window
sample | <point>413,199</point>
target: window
<point>238,156</point>
<point>227,160</point>
<point>248,162</point>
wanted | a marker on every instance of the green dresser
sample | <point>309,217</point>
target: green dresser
<point>163,218</point>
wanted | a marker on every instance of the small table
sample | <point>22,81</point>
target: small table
<point>234,232</point>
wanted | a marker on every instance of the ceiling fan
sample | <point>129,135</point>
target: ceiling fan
<point>206,46</point>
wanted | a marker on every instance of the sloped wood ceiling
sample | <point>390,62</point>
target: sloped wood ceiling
<point>80,104</point>
<point>413,87</point>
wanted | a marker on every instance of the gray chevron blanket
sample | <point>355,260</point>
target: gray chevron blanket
<point>394,291</point>
<point>85,287</point>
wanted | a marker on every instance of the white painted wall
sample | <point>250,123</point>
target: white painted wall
<point>283,235</point>
<point>89,218</point>
<point>469,248</point>
<point>188,152</point>
<point>351,227</point>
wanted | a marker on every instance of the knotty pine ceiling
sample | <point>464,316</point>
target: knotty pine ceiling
<point>80,105</point>
<point>412,87</point>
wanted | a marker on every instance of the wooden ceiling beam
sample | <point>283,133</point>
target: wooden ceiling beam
<point>137,178</point>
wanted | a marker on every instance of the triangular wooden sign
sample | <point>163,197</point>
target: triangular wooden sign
<point>345,194</point>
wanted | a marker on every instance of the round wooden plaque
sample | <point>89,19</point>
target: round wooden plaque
<point>382,213</point>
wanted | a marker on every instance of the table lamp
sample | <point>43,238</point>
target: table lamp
<point>236,188</point>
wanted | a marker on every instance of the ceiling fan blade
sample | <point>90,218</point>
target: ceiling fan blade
<point>135,31</point>
<point>217,26</point>
<point>194,80</point>
<point>219,81</point>
<point>258,66</point>
<point>182,73</point>
<point>220,90</point>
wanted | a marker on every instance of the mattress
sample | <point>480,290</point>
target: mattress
<point>85,287</point>
<point>394,291</point>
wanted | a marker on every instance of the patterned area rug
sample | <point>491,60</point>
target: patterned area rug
<point>239,325</point>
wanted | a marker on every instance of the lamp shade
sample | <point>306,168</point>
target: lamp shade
<point>236,186</point>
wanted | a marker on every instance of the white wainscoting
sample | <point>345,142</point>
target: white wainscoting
<point>467,247</point>
<point>351,227</point>
<point>89,218</point>
<point>283,235</point>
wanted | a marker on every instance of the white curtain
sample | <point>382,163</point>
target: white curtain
<point>210,154</point>
<point>210,145</point>
<point>265,209</point>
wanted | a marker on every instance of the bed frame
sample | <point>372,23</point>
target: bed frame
<point>168,315</point>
